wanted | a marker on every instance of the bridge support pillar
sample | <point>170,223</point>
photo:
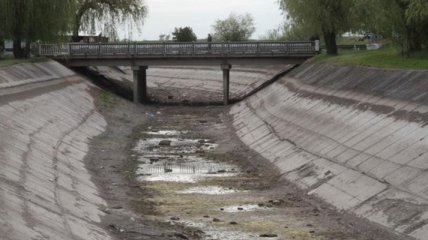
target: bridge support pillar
<point>226,82</point>
<point>140,83</point>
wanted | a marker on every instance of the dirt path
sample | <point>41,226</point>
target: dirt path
<point>238,196</point>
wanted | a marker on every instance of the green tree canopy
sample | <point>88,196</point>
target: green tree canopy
<point>32,20</point>
<point>108,13</point>
<point>404,21</point>
<point>234,28</point>
<point>288,32</point>
<point>164,37</point>
<point>416,11</point>
<point>326,18</point>
<point>185,34</point>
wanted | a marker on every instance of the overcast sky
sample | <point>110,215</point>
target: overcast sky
<point>200,15</point>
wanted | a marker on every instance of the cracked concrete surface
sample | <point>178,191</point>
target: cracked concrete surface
<point>45,190</point>
<point>355,137</point>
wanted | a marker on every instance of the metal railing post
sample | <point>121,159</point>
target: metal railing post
<point>317,45</point>
<point>40,49</point>
<point>194,50</point>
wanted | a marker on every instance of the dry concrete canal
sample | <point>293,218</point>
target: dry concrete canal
<point>324,152</point>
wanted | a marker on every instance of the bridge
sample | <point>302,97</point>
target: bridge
<point>141,55</point>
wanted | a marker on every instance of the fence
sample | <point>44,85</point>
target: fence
<point>176,49</point>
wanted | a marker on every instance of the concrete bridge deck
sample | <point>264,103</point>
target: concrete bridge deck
<point>142,55</point>
<point>75,53</point>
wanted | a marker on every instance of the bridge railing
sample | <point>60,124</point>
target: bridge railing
<point>176,49</point>
<point>52,49</point>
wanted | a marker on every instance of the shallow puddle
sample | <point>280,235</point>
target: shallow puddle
<point>166,133</point>
<point>209,190</point>
<point>222,233</point>
<point>173,145</point>
<point>189,169</point>
<point>178,160</point>
<point>164,156</point>
<point>233,235</point>
<point>244,208</point>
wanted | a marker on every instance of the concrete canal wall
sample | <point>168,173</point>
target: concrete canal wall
<point>356,137</point>
<point>47,118</point>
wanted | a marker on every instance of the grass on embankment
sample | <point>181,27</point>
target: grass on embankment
<point>6,61</point>
<point>382,58</point>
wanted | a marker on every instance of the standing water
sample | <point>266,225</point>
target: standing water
<point>165,157</point>
<point>174,159</point>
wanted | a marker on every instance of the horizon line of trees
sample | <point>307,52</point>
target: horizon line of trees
<point>402,21</point>
<point>232,29</point>
<point>48,20</point>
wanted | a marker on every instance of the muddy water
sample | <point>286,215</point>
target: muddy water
<point>196,188</point>
<point>177,159</point>
<point>165,157</point>
<point>208,190</point>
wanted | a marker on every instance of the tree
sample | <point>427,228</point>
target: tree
<point>2,20</point>
<point>33,20</point>
<point>326,18</point>
<point>234,28</point>
<point>185,34</point>
<point>416,11</point>
<point>164,37</point>
<point>90,12</point>
<point>416,18</point>
<point>287,32</point>
<point>1,45</point>
<point>410,22</point>
<point>403,21</point>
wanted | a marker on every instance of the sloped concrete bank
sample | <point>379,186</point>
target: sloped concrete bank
<point>47,118</point>
<point>356,137</point>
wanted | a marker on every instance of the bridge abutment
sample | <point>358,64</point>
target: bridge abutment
<point>226,82</point>
<point>140,83</point>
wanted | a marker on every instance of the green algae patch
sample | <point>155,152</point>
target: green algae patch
<point>260,226</point>
<point>195,204</point>
<point>108,99</point>
<point>9,61</point>
<point>303,234</point>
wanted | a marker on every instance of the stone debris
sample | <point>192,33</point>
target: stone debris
<point>268,235</point>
